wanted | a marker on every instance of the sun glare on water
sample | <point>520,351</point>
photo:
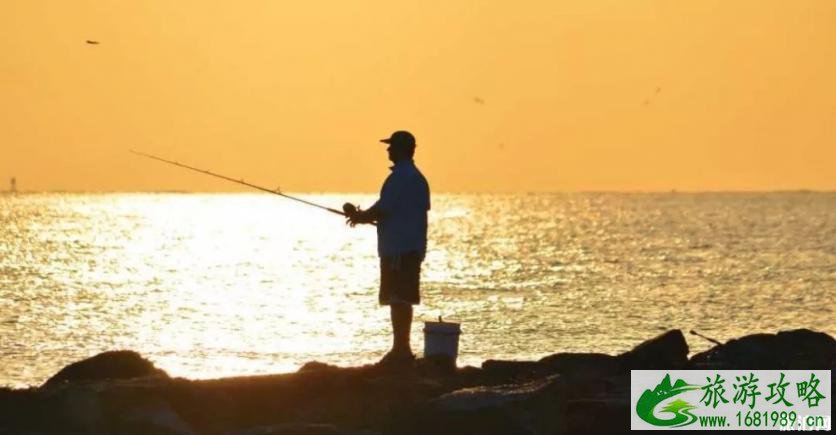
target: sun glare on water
<point>211,285</point>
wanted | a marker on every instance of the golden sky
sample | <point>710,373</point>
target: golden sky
<point>502,96</point>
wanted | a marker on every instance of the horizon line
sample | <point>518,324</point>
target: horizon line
<point>443,192</point>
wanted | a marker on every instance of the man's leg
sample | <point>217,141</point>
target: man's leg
<point>401,327</point>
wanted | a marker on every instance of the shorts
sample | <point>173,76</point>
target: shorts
<point>400,279</point>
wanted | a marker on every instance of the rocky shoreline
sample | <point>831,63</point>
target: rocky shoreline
<point>122,393</point>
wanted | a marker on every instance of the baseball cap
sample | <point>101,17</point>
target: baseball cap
<point>400,137</point>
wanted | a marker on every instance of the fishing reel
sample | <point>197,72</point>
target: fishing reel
<point>350,209</point>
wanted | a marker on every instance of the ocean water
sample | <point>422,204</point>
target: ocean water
<point>210,285</point>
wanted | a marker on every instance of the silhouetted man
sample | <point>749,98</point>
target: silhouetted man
<point>401,217</point>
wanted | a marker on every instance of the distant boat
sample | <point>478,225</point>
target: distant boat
<point>92,42</point>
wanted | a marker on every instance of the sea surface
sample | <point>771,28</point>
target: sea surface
<point>210,285</point>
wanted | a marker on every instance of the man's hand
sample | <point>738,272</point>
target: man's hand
<point>351,211</point>
<point>355,215</point>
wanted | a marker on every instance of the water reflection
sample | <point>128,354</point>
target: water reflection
<point>218,285</point>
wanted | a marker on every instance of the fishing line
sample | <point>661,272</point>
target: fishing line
<point>241,181</point>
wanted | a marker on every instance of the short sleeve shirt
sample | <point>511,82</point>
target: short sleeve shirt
<point>404,202</point>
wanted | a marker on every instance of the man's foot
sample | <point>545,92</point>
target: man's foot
<point>396,359</point>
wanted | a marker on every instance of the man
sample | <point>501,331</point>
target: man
<point>401,217</point>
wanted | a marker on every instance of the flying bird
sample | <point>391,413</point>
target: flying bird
<point>478,100</point>
<point>91,42</point>
<point>650,99</point>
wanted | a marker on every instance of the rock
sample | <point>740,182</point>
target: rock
<point>806,349</point>
<point>564,393</point>
<point>667,351</point>
<point>598,416</point>
<point>786,350</point>
<point>519,409</point>
<point>75,410</point>
<point>155,417</point>
<point>597,405</point>
<point>315,366</point>
<point>506,371</point>
<point>581,364</point>
<point>122,364</point>
<point>17,407</point>
<point>299,429</point>
<point>436,365</point>
<point>471,399</point>
<point>290,429</point>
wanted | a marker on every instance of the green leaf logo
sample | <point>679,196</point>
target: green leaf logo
<point>664,391</point>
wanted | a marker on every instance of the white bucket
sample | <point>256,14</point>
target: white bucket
<point>441,338</point>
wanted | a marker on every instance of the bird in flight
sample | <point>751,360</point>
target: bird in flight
<point>649,100</point>
<point>91,42</point>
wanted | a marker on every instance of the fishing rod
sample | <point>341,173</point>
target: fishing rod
<point>242,182</point>
<point>706,338</point>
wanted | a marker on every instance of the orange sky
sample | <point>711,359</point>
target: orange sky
<point>297,93</point>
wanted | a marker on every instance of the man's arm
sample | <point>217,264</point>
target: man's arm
<point>389,195</point>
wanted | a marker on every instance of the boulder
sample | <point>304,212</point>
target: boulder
<point>299,429</point>
<point>597,404</point>
<point>18,406</point>
<point>508,371</point>
<point>666,351</point>
<point>154,416</point>
<point>475,398</point>
<point>604,415</point>
<point>290,429</point>
<point>436,366</point>
<point>786,350</point>
<point>516,409</point>
<point>582,364</point>
<point>121,364</point>
<point>73,410</point>
<point>316,366</point>
<point>121,392</point>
